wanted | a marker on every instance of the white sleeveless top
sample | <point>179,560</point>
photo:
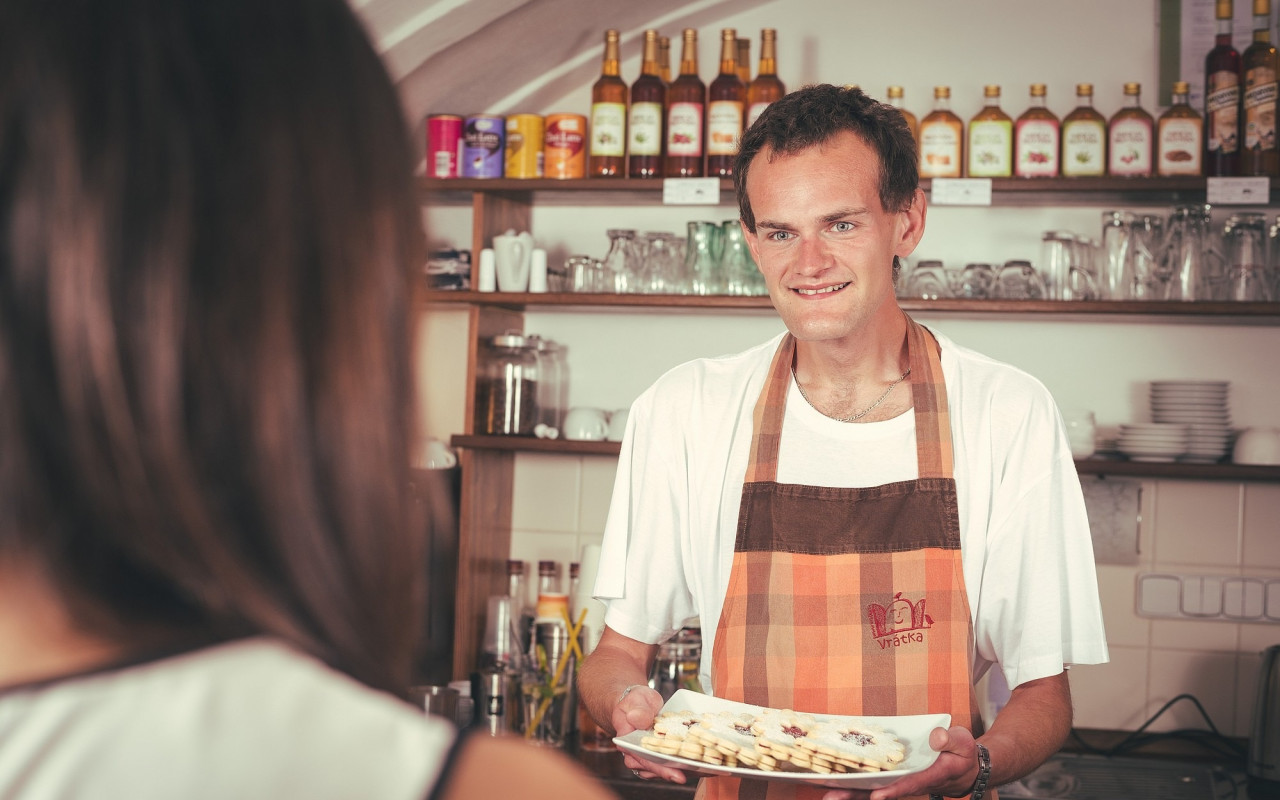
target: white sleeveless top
<point>247,719</point>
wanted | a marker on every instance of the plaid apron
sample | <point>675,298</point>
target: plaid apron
<point>847,601</point>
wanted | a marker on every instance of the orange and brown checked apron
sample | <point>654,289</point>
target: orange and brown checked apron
<point>846,601</point>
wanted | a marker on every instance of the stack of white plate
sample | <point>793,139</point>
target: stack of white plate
<point>1202,407</point>
<point>1153,441</point>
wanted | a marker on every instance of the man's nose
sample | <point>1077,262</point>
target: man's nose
<point>814,255</point>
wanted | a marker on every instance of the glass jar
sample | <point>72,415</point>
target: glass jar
<point>507,386</point>
<point>552,380</point>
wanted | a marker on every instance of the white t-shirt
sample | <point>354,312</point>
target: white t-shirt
<point>250,719</point>
<point>1025,545</point>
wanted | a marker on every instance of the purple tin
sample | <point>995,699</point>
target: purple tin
<point>483,146</point>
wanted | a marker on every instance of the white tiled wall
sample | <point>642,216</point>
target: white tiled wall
<point>1190,528</point>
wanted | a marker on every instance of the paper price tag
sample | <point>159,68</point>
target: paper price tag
<point>691,191</point>
<point>1238,191</point>
<point>960,192</point>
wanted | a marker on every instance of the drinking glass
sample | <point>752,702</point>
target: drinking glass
<point>1143,277</point>
<point>702,258</point>
<point>1018,280</point>
<point>619,268</point>
<point>1189,260</point>
<point>1057,256</point>
<point>1117,244</point>
<point>1248,279</point>
<point>928,281</point>
<point>741,275</point>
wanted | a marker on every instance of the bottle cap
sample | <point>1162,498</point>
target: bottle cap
<point>941,91</point>
<point>1038,90</point>
<point>1133,88</point>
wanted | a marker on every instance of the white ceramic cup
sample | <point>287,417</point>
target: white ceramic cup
<point>585,424</point>
<point>1081,432</point>
<point>617,425</point>
<point>512,253</point>
<point>434,454</point>
<point>1257,446</point>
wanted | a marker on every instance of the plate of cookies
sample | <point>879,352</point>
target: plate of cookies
<point>709,735</point>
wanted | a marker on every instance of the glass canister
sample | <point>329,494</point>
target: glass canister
<point>507,386</point>
<point>553,373</point>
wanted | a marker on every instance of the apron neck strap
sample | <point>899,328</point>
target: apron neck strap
<point>928,397</point>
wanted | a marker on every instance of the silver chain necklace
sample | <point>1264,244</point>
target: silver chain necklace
<point>861,413</point>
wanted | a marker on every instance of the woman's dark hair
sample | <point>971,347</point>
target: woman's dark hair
<point>815,114</point>
<point>207,232</point>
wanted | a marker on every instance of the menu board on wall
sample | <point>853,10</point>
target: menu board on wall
<point>1187,29</point>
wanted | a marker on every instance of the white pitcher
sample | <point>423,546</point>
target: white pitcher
<point>512,252</point>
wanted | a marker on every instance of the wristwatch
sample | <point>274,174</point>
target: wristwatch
<point>984,772</point>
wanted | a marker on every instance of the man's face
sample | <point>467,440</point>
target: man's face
<point>823,242</point>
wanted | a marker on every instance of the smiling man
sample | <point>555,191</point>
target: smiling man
<point>864,515</point>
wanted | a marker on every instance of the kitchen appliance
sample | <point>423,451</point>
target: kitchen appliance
<point>1263,766</point>
<point>1071,776</point>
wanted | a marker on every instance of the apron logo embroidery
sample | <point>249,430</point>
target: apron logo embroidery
<point>899,623</point>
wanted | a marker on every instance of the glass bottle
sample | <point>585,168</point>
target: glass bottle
<point>941,139</point>
<point>1179,132</point>
<point>1222,99</point>
<point>895,99</point>
<point>551,379</point>
<point>648,99</point>
<point>507,388</point>
<point>991,139</point>
<point>518,591</point>
<point>607,155</point>
<point>725,109</point>
<point>551,599</point>
<point>744,60</point>
<point>1036,139</point>
<point>575,583</point>
<point>664,59</point>
<point>686,101</point>
<point>1130,137</point>
<point>1084,137</point>
<point>765,88</point>
<point>1259,155</point>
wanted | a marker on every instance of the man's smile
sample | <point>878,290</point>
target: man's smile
<point>824,290</point>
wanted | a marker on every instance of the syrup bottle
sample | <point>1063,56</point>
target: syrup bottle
<point>725,110</point>
<point>941,139</point>
<point>991,139</point>
<point>765,88</point>
<point>1222,100</point>
<point>1084,138</point>
<point>1179,136</point>
<point>1036,139</point>
<point>686,102</point>
<point>1259,155</point>
<point>1130,137</point>
<point>644,121</point>
<point>607,155</point>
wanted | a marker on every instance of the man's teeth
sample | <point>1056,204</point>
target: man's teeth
<point>823,291</point>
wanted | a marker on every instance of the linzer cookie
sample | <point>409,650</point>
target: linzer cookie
<point>731,735</point>
<point>853,744</point>
<point>778,733</point>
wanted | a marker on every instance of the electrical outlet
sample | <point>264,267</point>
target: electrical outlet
<point>1208,597</point>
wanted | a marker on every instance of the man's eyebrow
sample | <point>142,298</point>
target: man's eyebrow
<point>845,212</point>
<point>771,225</point>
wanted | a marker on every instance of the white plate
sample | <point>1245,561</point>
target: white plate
<point>913,731</point>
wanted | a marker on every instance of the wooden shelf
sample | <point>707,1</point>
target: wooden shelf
<point>1087,466</point>
<point>1220,312</point>
<point>1075,191</point>
<point>1160,469</point>
<point>532,444</point>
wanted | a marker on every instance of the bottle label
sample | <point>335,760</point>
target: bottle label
<point>1222,121</point>
<point>724,127</point>
<point>1130,147</point>
<point>608,129</point>
<point>940,150</point>
<point>1260,109</point>
<point>1037,148</point>
<point>754,112</point>
<point>684,129</point>
<point>1084,147</point>
<point>990,149</point>
<point>1180,146</point>
<point>646,129</point>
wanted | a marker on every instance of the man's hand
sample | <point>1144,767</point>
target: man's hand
<point>636,712</point>
<point>953,773</point>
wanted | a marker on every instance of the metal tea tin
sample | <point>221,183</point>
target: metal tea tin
<point>565,146</point>
<point>524,146</point>
<point>444,144</point>
<point>483,148</point>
